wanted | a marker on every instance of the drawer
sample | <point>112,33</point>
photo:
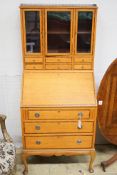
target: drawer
<point>83,66</point>
<point>69,141</point>
<point>33,60</point>
<point>58,66</point>
<point>83,60</point>
<point>58,127</point>
<point>58,60</point>
<point>34,66</point>
<point>58,114</point>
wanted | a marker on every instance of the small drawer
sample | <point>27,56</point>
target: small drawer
<point>83,66</point>
<point>34,66</point>
<point>83,60</point>
<point>58,60</point>
<point>33,60</point>
<point>58,66</point>
<point>60,141</point>
<point>57,127</point>
<point>58,114</point>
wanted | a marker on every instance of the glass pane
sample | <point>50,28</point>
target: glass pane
<point>58,32</point>
<point>84,32</point>
<point>32,22</point>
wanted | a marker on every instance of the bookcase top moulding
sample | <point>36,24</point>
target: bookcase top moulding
<point>59,5</point>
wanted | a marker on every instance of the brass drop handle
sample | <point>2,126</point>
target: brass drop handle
<point>38,142</point>
<point>80,115</point>
<point>79,141</point>
<point>37,115</point>
<point>37,127</point>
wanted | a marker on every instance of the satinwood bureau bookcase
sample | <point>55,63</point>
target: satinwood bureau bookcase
<point>58,103</point>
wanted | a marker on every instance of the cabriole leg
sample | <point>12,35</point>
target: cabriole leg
<point>93,155</point>
<point>24,158</point>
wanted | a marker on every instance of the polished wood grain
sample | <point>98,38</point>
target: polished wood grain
<point>58,93</point>
<point>83,59</point>
<point>58,60</point>
<point>51,89</point>
<point>83,66</point>
<point>6,136</point>
<point>80,6</point>
<point>33,60</point>
<point>34,66</point>
<point>107,112</point>
<point>58,142</point>
<point>58,66</point>
<point>58,114</point>
<point>58,127</point>
<point>107,109</point>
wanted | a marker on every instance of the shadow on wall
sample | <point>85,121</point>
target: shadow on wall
<point>99,137</point>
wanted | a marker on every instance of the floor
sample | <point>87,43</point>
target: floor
<point>77,165</point>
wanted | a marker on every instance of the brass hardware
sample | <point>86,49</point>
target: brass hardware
<point>37,127</point>
<point>38,142</point>
<point>79,141</point>
<point>80,114</point>
<point>79,124</point>
<point>37,115</point>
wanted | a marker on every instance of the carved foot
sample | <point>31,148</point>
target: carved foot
<point>92,154</point>
<point>25,172</point>
<point>105,164</point>
<point>24,158</point>
<point>91,170</point>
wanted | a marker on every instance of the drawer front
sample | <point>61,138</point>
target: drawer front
<point>33,60</point>
<point>58,127</point>
<point>58,60</point>
<point>58,67</point>
<point>58,142</point>
<point>83,60</point>
<point>33,66</point>
<point>60,114</point>
<point>83,66</point>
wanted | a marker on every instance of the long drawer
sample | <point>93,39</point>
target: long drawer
<point>57,127</point>
<point>58,114</point>
<point>68,141</point>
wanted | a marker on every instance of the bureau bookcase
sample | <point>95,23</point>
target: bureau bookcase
<point>58,103</point>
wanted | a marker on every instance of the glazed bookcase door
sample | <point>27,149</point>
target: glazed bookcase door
<point>32,26</point>
<point>84,32</point>
<point>58,29</point>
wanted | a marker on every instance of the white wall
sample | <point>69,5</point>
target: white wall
<point>11,53</point>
